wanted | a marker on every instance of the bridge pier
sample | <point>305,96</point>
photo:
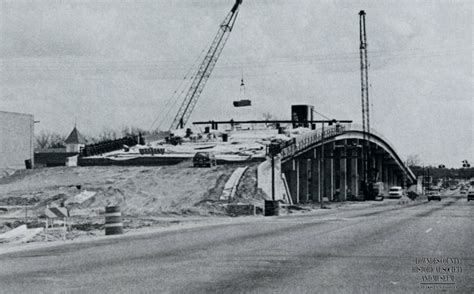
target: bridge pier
<point>337,174</point>
<point>379,164</point>
<point>342,179</point>
<point>356,169</point>
<point>328,173</point>
<point>303,180</point>
<point>332,172</point>
<point>315,183</point>
<point>390,177</point>
<point>291,174</point>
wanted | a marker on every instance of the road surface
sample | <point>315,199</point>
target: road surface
<point>388,247</point>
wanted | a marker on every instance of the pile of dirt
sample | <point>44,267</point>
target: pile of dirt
<point>139,191</point>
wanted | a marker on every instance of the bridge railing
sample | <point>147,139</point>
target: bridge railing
<point>302,142</point>
<point>359,127</point>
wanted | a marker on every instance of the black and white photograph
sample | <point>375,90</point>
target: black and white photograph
<point>236,146</point>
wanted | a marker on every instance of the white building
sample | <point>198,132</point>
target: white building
<point>75,141</point>
<point>16,139</point>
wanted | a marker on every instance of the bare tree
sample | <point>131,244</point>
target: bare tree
<point>413,160</point>
<point>133,131</point>
<point>46,139</point>
<point>268,116</point>
<point>107,134</point>
<point>42,140</point>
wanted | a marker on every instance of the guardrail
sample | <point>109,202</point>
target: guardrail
<point>300,143</point>
<point>289,148</point>
<point>358,127</point>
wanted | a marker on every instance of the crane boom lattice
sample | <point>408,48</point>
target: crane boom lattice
<point>205,69</point>
<point>364,85</point>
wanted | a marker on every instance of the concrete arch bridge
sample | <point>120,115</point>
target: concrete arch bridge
<point>334,165</point>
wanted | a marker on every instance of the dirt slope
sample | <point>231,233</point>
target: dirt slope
<point>140,191</point>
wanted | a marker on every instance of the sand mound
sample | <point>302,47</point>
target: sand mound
<point>140,191</point>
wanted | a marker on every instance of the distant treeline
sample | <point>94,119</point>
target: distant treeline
<point>443,173</point>
<point>48,139</point>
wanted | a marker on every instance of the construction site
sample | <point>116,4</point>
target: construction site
<point>254,166</point>
<point>236,146</point>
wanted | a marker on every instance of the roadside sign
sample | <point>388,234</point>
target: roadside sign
<point>56,212</point>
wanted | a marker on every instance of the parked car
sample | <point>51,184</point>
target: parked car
<point>470,195</point>
<point>395,192</point>
<point>433,195</point>
<point>204,159</point>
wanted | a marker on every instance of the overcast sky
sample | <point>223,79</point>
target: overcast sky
<point>115,63</point>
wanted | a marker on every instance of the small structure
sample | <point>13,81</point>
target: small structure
<point>61,156</point>
<point>75,141</point>
<point>57,215</point>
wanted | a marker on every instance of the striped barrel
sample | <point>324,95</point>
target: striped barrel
<point>113,220</point>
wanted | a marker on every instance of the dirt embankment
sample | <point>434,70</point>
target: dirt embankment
<point>162,190</point>
<point>141,192</point>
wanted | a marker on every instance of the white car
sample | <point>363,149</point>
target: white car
<point>395,192</point>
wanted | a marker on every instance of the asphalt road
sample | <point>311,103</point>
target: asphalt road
<point>358,248</point>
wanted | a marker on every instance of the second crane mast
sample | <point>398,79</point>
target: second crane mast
<point>205,69</point>
<point>364,81</point>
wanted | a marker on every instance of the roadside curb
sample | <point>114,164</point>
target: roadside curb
<point>13,248</point>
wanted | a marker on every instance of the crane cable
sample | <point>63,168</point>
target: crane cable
<point>322,115</point>
<point>182,85</point>
<point>174,96</point>
<point>242,83</point>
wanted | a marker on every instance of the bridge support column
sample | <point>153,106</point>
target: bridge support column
<point>293,181</point>
<point>332,188</point>
<point>342,179</point>
<point>399,179</point>
<point>354,176</point>
<point>379,169</point>
<point>390,177</point>
<point>385,177</point>
<point>328,173</point>
<point>315,189</point>
<point>303,180</point>
<point>321,176</point>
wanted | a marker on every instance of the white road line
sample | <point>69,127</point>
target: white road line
<point>429,230</point>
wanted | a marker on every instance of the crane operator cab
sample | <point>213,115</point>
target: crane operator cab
<point>242,102</point>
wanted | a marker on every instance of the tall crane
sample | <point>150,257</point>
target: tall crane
<point>369,172</point>
<point>205,69</point>
<point>364,76</point>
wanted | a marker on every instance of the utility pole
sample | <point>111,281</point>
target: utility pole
<point>272,207</point>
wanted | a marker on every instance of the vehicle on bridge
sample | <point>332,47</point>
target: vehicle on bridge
<point>433,195</point>
<point>396,192</point>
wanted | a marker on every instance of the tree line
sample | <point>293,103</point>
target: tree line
<point>49,139</point>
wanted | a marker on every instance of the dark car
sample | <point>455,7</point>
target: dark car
<point>433,195</point>
<point>204,159</point>
<point>470,195</point>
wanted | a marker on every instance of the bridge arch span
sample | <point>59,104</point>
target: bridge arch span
<point>314,171</point>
